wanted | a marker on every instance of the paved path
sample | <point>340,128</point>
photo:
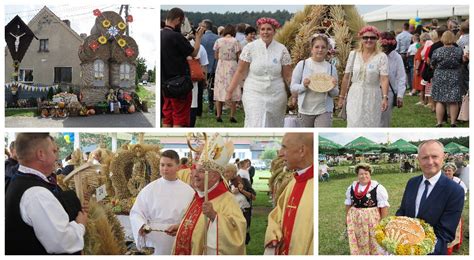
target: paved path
<point>138,119</point>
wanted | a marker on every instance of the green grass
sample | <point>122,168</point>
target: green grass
<point>332,211</point>
<point>146,95</point>
<point>31,112</point>
<point>209,119</point>
<point>410,115</point>
<point>261,207</point>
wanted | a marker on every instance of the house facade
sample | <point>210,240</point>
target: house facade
<point>51,59</point>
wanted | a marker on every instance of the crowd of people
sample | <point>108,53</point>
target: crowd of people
<point>257,73</point>
<point>208,213</point>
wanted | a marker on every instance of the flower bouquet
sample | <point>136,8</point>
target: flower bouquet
<point>405,236</point>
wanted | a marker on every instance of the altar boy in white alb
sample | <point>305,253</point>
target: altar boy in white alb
<point>160,206</point>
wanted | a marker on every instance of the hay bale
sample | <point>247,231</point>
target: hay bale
<point>114,19</point>
<point>117,53</point>
<point>87,54</point>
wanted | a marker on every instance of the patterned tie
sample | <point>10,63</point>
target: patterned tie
<point>423,197</point>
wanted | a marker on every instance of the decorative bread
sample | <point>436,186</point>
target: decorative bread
<point>405,230</point>
<point>321,82</point>
<point>405,236</point>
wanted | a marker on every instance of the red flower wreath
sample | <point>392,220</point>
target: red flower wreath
<point>94,45</point>
<point>129,52</point>
<point>97,12</point>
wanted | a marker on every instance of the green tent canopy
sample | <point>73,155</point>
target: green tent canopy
<point>453,148</point>
<point>402,146</point>
<point>327,146</point>
<point>363,144</point>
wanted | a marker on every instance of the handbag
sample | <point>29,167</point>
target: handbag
<point>394,100</point>
<point>464,111</point>
<point>177,87</point>
<point>292,120</point>
<point>197,74</point>
<point>343,112</point>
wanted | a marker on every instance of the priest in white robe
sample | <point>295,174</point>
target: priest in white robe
<point>160,206</point>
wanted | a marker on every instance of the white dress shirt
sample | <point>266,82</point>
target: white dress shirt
<point>42,211</point>
<point>433,180</point>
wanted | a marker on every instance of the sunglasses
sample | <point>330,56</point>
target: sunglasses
<point>372,38</point>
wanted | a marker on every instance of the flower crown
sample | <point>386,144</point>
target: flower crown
<point>369,28</point>
<point>274,23</point>
<point>388,42</point>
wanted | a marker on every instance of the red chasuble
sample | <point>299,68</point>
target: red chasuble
<point>185,231</point>
<point>292,207</point>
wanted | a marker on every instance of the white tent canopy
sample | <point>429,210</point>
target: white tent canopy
<point>405,12</point>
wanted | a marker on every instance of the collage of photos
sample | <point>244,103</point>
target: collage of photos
<point>375,96</point>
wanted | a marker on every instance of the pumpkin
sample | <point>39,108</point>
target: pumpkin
<point>131,109</point>
<point>91,112</point>
<point>61,105</point>
<point>44,112</point>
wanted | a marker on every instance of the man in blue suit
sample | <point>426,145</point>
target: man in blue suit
<point>433,197</point>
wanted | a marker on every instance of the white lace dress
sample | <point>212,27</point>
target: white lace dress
<point>364,100</point>
<point>264,97</point>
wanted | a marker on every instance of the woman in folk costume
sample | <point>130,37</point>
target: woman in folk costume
<point>268,64</point>
<point>449,169</point>
<point>366,204</point>
<point>213,223</point>
<point>366,100</point>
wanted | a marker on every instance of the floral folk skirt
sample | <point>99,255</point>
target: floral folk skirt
<point>361,224</point>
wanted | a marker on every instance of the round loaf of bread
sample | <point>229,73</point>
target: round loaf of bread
<point>405,230</point>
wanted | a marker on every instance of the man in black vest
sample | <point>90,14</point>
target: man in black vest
<point>39,217</point>
<point>11,164</point>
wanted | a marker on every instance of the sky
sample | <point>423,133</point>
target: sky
<point>344,138</point>
<point>145,18</point>
<point>241,8</point>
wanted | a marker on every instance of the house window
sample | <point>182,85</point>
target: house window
<point>124,71</point>
<point>62,74</point>
<point>43,45</point>
<point>241,154</point>
<point>25,75</point>
<point>98,70</point>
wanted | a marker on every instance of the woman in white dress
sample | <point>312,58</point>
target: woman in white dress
<point>315,108</point>
<point>367,96</point>
<point>267,63</point>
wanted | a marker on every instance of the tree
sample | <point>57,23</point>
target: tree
<point>141,69</point>
<point>151,76</point>
<point>269,154</point>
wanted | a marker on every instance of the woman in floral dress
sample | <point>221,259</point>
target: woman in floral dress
<point>366,204</point>
<point>447,85</point>
<point>227,50</point>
